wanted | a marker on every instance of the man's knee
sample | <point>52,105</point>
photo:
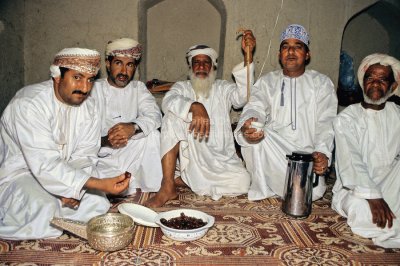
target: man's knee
<point>172,153</point>
<point>91,205</point>
<point>22,204</point>
<point>356,208</point>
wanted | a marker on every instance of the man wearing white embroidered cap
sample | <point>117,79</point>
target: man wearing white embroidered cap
<point>296,107</point>
<point>130,119</point>
<point>367,188</point>
<point>197,129</point>
<point>50,135</point>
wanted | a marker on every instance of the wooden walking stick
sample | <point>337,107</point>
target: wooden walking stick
<point>241,31</point>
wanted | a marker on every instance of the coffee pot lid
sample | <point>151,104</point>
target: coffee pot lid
<point>300,156</point>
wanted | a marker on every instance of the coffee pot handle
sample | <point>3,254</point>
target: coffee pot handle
<point>316,180</point>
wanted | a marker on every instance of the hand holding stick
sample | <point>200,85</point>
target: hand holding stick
<point>248,45</point>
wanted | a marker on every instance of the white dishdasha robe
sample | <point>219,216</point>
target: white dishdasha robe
<point>49,149</point>
<point>368,167</point>
<point>298,114</point>
<point>141,156</point>
<point>209,167</point>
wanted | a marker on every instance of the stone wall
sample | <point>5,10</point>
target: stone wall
<point>11,49</point>
<point>32,31</point>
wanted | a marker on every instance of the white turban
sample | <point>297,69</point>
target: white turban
<point>384,60</point>
<point>79,59</point>
<point>201,49</point>
<point>124,47</point>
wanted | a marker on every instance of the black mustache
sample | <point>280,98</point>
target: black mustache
<point>122,75</point>
<point>79,92</point>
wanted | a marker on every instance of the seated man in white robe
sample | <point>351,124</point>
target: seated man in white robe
<point>130,119</point>
<point>197,128</point>
<point>50,136</point>
<point>295,108</point>
<point>367,189</point>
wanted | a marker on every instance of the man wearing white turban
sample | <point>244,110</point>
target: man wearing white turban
<point>367,189</point>
<point>197,128</point>
<point>130,119</point>
<point>49,138</point>
<point>295,108</point>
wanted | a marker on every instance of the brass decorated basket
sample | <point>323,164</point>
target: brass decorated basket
<point>107,232</point>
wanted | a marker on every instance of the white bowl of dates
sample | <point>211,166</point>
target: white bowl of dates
<point>184,224</point>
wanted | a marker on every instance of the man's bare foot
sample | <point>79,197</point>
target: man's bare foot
<point>167,192</point>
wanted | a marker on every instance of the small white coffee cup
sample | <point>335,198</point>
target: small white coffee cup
<point>257,125</point>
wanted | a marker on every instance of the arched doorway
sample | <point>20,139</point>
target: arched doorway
<point>376,29</point>
<point>167,28</point>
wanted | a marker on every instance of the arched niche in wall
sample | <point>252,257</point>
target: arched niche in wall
<point>376,29</point>
<point>167,28</point>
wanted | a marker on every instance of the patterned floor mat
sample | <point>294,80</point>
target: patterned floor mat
<point>245,233</point>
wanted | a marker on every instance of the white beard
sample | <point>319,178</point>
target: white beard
<point>202,86</point>
<point>377,102</point>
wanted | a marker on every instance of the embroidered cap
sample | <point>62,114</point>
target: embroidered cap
<point>295,31</point>
<point>79,59</point>
<point>124,47</point>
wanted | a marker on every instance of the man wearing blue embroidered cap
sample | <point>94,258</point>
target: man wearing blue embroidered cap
<point>295,108</point>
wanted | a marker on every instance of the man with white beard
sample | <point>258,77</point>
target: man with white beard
<point>367,189</point>
<point>197,127</point>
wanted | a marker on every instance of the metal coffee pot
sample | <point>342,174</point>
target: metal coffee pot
<point>297,197</point>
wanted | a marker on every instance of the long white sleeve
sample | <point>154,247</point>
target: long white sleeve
<point>149,114</point>
<point>179,99</point>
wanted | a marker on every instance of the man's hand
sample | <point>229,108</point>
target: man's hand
<point>320,163</point>
<point>248,40</point>
<point>200,124</point>
<point>250,133</point>
<point>70,203</point>
<point>120,133</point>
<point>112,185</point>
<point>381,213</point>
